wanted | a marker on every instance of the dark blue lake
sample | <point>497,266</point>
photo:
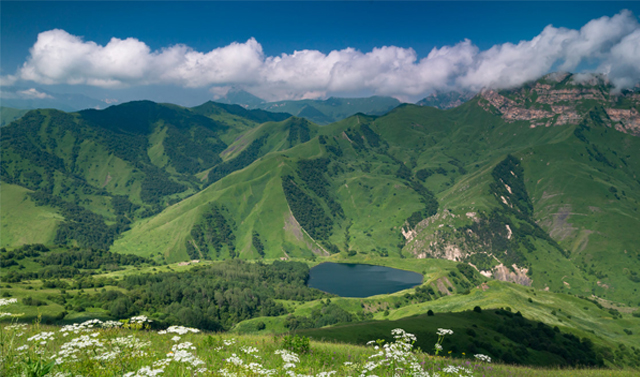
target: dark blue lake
<point>361,280</point>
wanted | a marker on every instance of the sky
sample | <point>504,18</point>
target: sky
<point>189,52</point>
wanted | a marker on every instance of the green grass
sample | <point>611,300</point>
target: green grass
<point>23,221</point>
<point>215,350</point>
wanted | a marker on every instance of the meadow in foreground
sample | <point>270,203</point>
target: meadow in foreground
<point>129,348</point>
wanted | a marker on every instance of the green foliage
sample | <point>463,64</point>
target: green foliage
<point>298,132</point>
<point>211,234</point>
<point>423,174</point>
<point>307,210</point>
<point>312,172</point>
<point>328,314</point>
<point>297,344</point>
<point>255,241</point>
<point>37,367</point>
<point>246,157</point>
<point>63,263</point>
<point>211,297</point>
<point>509,173</point>
<point>517,340</point>
<point>87,228</point>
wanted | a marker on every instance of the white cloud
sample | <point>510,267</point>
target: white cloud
<point>8,80</point>
<point>613,43</point>
<point>33,94</point>
<point>623,63</point>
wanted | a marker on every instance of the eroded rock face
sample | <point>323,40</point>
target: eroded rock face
<point>518,275</point>
<point>629,120</point>
<point>546,103</point>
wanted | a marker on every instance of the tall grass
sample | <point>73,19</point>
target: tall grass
<point>130,349</point>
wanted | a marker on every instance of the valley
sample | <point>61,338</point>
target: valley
<point>521,202</point>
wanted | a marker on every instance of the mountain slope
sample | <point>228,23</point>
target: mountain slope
<point>486,183</point>
<point>333,109</point>
<point>371,183</point>
<point>446,100</point>
<point>9,114</point>
<point>103,169</point>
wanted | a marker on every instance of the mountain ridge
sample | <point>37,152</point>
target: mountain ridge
<point>443,181</point>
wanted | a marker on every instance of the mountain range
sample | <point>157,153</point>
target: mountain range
<point>537,185</point>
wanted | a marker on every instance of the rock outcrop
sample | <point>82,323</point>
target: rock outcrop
<point>562,99</point>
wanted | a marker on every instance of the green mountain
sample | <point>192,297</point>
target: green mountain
<point>8,115</point>
<point>537,185</point>
<point>241,97</point>
<point>446,100</point>
<point>333,109</point>
<point>101,170</point>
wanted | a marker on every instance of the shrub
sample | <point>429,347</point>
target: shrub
<point>296,344</point>
<point>430,313</point>
<point>477,309</point>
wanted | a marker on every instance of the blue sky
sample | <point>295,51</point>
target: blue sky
<point>284,27</point>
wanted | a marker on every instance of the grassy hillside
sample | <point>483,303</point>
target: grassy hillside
<point>101,170</point>
<point>23,221</point>
<point>441,178</point>
<point>505,327</point>
<point>237,354</point>
<point>9,114</point>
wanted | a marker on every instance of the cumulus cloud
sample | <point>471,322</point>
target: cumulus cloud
<point>611,43</point>
<point>33,94</point>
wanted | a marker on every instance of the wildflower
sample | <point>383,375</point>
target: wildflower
<point>145,372</point>
<point>139,319</point>
<point>290,359</point>
<point>443,332</point>
<point>176,338</point>
<point>111,324</point>
<point>180,330</point>
<point>249,350</point>
<point>70,350</point>
<point>41,337</point>
<point>8,301</point>
<point>482,357</point>
<point>460,371</point>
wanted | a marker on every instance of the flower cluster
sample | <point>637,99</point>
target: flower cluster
<point>17,329</point>
<point>181,330</point>
<point>141,319</point>
<point>71,351</point>
<point>482,357</point>
<point>41,338</point>
<point>8,301</point>
<point>97,347</point>
<point>78,328</point>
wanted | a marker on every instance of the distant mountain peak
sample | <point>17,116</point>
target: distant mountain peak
<point>445,100</point>
<point>236,96</point>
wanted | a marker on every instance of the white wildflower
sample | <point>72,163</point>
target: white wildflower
<point>8,301</point>
<point>482,357</point>
<point>249,350</point>
<point>145,372</point>
<point>443,332</point>
<point>41,337</point>
<point>180,330</point>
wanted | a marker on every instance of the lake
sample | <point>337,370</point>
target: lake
<point>361,280</point>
